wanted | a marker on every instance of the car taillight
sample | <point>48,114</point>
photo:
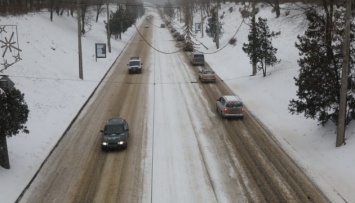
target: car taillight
<point>225,110</point>
<point>203,76</point>
<point>243,110</point>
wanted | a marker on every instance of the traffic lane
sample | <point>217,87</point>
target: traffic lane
<point>190,162</point>
<point>270,170</point>
<point>77,170</point>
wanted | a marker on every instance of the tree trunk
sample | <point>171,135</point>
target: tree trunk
<point>98,11</point>
<point>277,8</point>
<point>4,154</point>
<point>51,9</point>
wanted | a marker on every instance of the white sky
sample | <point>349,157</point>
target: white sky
<point>43,71</point>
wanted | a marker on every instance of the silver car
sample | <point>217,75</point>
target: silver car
<point>230,106</point>
<point>207,76</point>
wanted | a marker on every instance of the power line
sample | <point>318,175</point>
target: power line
<point>226,43</point>
<point>163,52</point>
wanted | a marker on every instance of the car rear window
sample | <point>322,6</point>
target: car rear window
<point>234,104</point>
<point>208,72</point>
<point>198,56</point>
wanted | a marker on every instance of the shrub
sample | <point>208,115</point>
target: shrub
<point>233,41</point>
<point>188,46</point>
<point>230,9</point>
<point>245,13</point>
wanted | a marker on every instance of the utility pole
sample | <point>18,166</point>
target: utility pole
<point>217,26</point>
<point>344,79</point>
<point>201,22</point>
<point>79,42</point>
<point>108,29</point>
<point>254,38</point>
<point>180,14</point>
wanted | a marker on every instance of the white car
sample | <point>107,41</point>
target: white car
<point>135,65</point>
<point>230,106</point>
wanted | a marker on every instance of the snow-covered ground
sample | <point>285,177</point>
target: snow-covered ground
<point>48,75</point>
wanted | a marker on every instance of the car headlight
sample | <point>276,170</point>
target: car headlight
<point>104,143</point>
<point>121,142</point>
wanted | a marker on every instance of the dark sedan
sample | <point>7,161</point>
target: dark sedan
<point>115,134</point>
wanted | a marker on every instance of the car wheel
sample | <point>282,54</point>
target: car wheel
<point>223,116</point>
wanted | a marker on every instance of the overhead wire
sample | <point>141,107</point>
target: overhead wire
<point>163,52</point>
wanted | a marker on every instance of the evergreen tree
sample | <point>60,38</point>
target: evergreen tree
<point>168,9</point>
<point>13,116</point>
<point>267,56</point>
<point>121,20</point>
<point>321,61</point>
<point>212,26</point>
<point>261,49</point>
<point>188,32</point>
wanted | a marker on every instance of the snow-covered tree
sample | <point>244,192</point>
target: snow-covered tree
<point>321,62</point>
<point>214,27</point>
<point>13,117</point>
<point>260,49</point>
<point>121,20</point>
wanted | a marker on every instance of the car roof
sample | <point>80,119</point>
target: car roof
<point>231,98</point>
<point>115,121</point>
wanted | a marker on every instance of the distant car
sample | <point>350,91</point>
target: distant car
<point>146,26</point>
<point>173,30</point>
<point>115,134</point>
<point>162,25</point>
<point>180,37</point>
<point>135,65</point>
<point>176,34</point>
<point>230,106</point>
<point>207,76</point>
<point>197,58</point>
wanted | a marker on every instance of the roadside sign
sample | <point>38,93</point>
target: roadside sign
<point>100,49</point>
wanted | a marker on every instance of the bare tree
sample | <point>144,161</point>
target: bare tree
<point>275,4</point>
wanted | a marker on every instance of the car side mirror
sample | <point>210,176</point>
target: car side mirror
<point>127,64</point>
<point>102,131</point>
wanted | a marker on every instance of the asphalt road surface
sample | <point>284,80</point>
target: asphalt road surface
<point>179,150</point>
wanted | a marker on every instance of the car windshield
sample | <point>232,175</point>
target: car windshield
<point>134,63</point>
<point>199,56</point>
<point>114,129</point>
<point>234,104</point>
<point>208,72</point>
